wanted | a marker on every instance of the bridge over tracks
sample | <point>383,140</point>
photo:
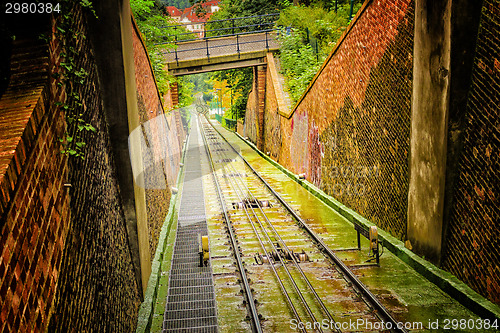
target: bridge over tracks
<point>232,49</point>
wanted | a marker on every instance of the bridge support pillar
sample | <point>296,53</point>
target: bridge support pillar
<point>428,141</point>
<point>174,93</point>
<point>260,78</point>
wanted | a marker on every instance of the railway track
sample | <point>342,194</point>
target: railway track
<point>250,207</point>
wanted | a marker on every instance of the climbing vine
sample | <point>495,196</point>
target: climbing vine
<point>72,77</point>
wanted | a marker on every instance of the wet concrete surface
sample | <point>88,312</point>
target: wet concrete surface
<point>412,299</point>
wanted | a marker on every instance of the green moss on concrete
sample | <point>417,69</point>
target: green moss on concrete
<point>442,279</point>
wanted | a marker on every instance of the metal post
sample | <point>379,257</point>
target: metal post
<point>208,54</point>
<point>350,12</point>
<point>175,42</point>
<point>267,44</point>
<point>238,45</point>
<point>336,6</point>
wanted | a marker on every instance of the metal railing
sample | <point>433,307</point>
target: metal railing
<point>236,31</point>
<point>232,27</point>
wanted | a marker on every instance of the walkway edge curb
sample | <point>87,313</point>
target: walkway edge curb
<point>146,309</point>
<point>446,281</point>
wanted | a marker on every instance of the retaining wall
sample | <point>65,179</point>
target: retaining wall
<point>67,262</point>
<point>350,134</point>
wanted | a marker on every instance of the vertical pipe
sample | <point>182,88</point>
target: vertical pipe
<point>351,10</point>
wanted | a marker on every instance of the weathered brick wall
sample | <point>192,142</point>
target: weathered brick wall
<point>150,107</point>
<point>66,263</point>
<point>97,289</point>
<point>472,247</point>
<point>250,126</point>
<point>350,133</point>
<point>34,203</point>
<point>271,120</point>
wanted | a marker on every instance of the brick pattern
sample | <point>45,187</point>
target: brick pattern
<point>271,119</point>
<point>350,132</point>
<point>174,94</point>
<point>97,290</point>
<point>34,210</point>
<point>250,126</point>
<point>165,142</point>
<point>261,100</point>
<point>472,248</point>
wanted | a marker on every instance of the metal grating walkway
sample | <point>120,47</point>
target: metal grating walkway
<point>190,303</point>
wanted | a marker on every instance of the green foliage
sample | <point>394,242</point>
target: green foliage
<point>153,23</point>
<point>73,78</point>
<point>240,81</point>
<point>201,82</point>
<point>179,4</point>
<point>185,91</point>
<point>310,35</point>
<point>298,61</point>
<point>207,97</point>
<point>238,8</point>
<point>141,8</point>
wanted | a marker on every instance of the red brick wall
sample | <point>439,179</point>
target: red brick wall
<point>65,263</point>
<point>350,133</point>
<point>34,210</point>
<point>472,247</point>
<point>250,127</point>
<point>164,141</point>
<point>271,120</point>
<point>97,289</point>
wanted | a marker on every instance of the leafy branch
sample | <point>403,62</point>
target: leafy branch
<point>72,77</point>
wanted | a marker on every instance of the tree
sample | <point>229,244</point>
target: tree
<point>153,22</point>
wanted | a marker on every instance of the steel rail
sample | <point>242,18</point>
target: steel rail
<point>269,255</point>
<point>285,246</point>
<point>305,304</point>
<point>368,296</point>
<point>271,261</point>
<point>294,260</point>
<point>248,291</point>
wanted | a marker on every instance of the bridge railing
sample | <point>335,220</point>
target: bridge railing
<point>264,27</point>
<point>267,21</point>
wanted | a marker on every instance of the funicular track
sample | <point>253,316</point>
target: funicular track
<point>302,299</point>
